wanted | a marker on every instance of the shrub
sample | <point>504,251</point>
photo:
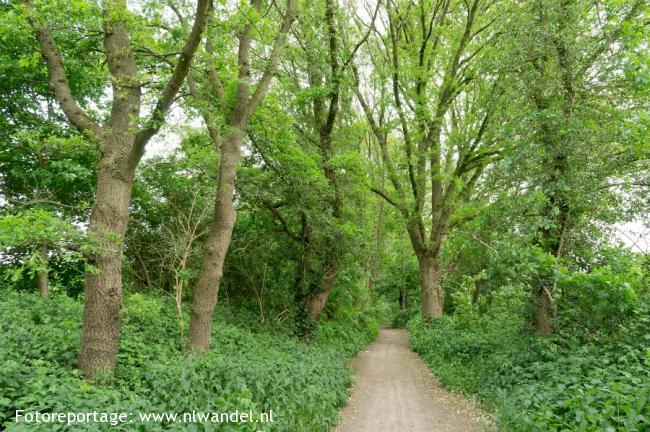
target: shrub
<point>601,299</point>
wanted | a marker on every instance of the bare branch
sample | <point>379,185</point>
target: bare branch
<point>386,197</point>
<point>363,39</point>
<point>282,220</point>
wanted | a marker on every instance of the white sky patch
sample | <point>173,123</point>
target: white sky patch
<point>171,134</point>
<point>635,235</point>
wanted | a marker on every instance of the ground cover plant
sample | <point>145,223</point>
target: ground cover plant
<point>213,205</point>
<point>304,384</point>
<point>593,375</point>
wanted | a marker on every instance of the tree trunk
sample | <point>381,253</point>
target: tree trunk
<point>317,302</point>
<point>41,278</point>
<point>376,257</point>
<point>402,297</point>
<point>545,313</point>
<point>476,294</point>
<point>103,285</point>
<point>403,289</point>
<point>146,278</point>
<point>216,246</point>
<point>121,144</point>
<point>430,286</point>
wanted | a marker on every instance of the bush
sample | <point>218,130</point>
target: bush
<point>601,299</point>
<point>401,317</point>
<point>304,384</point>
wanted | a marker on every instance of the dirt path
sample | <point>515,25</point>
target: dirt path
<point>395,392</point>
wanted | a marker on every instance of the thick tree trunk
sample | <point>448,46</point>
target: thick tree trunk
<point>545,313</point>
<point>430,286</point>
<point>317,302</point>
<point>42,282</point>
<point>103,285</point>
<point>121,144</point>
<point>216,246</point>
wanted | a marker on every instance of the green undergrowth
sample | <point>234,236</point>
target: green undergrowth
<point>261,370</point>
<point>575,380</point>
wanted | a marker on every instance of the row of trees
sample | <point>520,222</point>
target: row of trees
<point>337,131</point>
<point>472,86</point>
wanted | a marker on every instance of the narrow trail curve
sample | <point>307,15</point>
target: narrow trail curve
<point>394,391</point>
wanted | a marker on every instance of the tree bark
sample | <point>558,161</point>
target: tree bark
<point>216,246</point>
<point>317,302</point>
<point>103,284</point>
<point>42,282</point>
<point>430,286</point>
<point>545,313</point>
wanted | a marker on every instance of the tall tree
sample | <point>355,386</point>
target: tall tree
<point>313,203</point>
<point>430,62</point>
<point>227,134</point>
<point>566,59</point>
<point>320,122</point>
<point>121,142</point>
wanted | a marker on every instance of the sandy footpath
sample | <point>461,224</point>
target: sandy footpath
<point>394,391</point>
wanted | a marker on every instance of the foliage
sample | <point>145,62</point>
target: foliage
<point>497,144</point>
<point>572,381</point>
<point>304,384</point>
<point>397,285</point>
<point>601,299</point>
<point>24,233</point>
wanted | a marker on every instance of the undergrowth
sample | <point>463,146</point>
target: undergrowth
<point>582,378</point>
<point>303,383</point>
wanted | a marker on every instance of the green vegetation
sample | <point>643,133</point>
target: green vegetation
<point>261,370</point>
<point>593,375</point>
<point>217,203</point>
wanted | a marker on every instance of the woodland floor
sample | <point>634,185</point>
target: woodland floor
<point>394,391</point>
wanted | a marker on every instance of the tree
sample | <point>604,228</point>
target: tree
<point>566,60</point>
<point>227,138</point>
<point>121,142</point>
<point>430,62</point>
<point>317,82</point>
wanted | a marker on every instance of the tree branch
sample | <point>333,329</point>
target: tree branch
<point>58,81</point>
<point>176,80</point>
<point>386,197</point>
<point>269,72</point>
<point>283,221</point>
